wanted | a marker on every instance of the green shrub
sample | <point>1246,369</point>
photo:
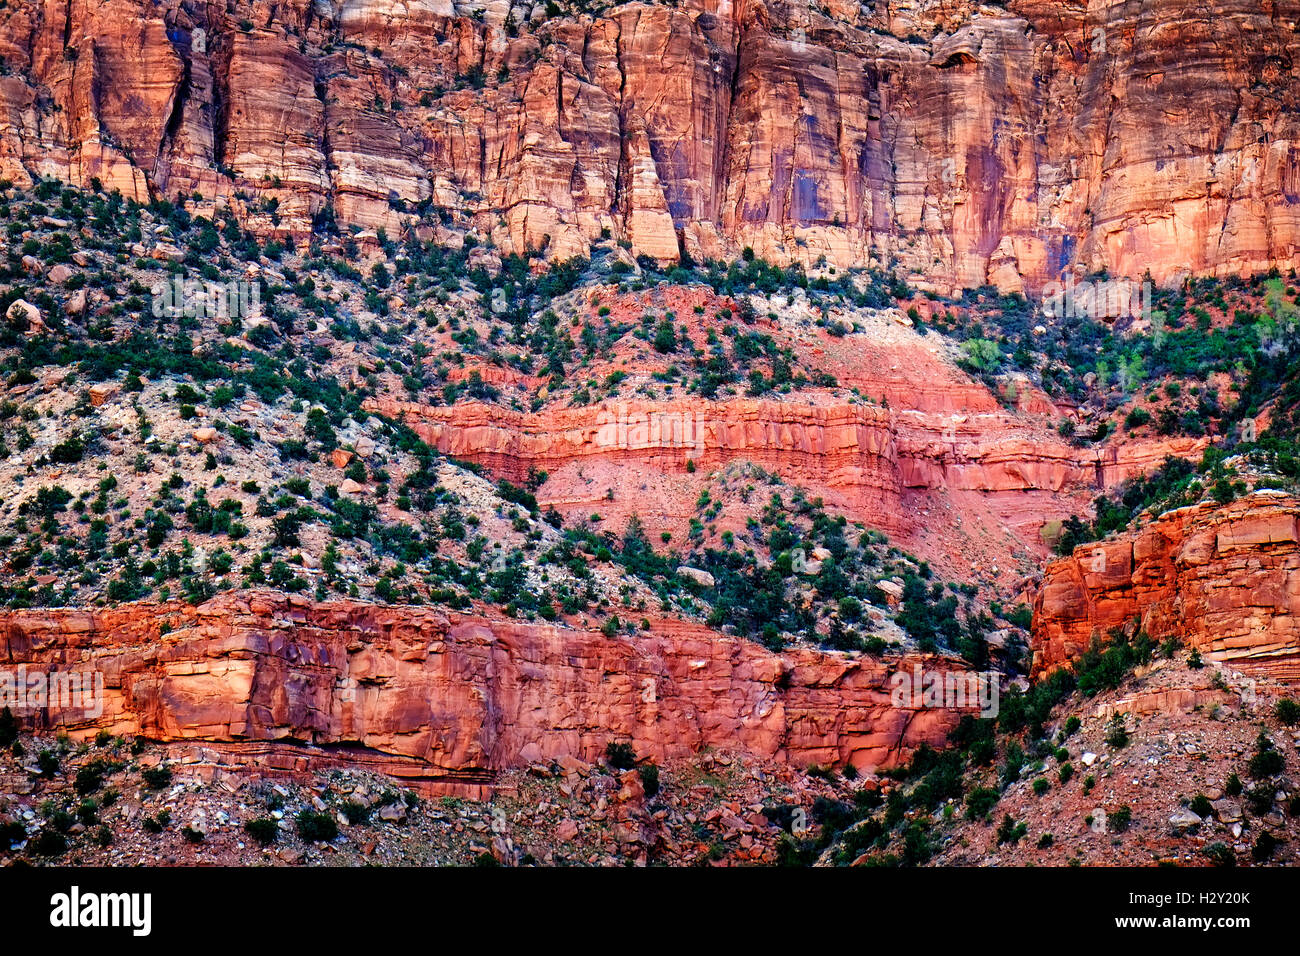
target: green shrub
<point>1264,846</point>
<point>980,802</point>
<point>1268,760</point>
<point>48,763</point>
<point>87,812</point>
<point>11,832</point>
<point>90,777</point>
<point>156,778</point>
<point>620,756</point>
<point>1259,799</point>
<point>358,814</point>
<point>51,843</point>
<point>1220,855</point>
<point>1009,831</point>
<point>1015,762</point>
<point>265,830</point>
<point>68,452</point>
<point>1117,733</point>
<point>650,779</point>
<point>317,827</point>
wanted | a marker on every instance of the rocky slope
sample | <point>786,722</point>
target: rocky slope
<point>1179,787</point>
<point>872,414</point>
<point>971,143</point>
<point>111,802</point>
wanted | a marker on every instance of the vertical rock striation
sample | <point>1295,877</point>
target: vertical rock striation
<point>968,143</point>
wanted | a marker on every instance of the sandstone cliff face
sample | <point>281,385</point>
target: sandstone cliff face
<point>1225,580</point>
<point>450,699</point>
<point>863,458</point>
<point>969,143</point>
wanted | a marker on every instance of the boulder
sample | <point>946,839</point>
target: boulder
<point>893,592</point>
<point>699,576</point>
<point>23,313</point>
<point>101,392</point>
<point>76,304</point>
<point>566,831</point>
<point>1227,810</point>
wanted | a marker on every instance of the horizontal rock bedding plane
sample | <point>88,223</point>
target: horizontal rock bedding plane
<point>443,699</point>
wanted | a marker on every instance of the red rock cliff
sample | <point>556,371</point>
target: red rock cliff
<point>862,457</point>
<point>1223,579</point>
<point>972,143</point>
<point>446,698</point>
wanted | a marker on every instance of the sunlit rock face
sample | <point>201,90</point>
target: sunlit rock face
<point>966,143</point>
<point>425,695</point>
<point>1222,579</point>
<point>864,459</point>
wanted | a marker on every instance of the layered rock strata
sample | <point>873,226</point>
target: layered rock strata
<point>264,679</point>
<point>866,456</point>
<point>1222,579</point>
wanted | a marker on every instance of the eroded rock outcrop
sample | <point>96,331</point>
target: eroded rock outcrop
<point>864,457</point>
<point>440,697</point>
<point>1222,579</point>
<point>971,143</point>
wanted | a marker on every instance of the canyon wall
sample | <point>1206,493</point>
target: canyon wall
<point>969,143</point>
<point>436,698</point>
<point>863,458</point>
<point>1222,579</point>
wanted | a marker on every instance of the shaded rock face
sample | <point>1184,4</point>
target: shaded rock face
<point>969,143</point>
<point>443,698</point>
<point>1223,579</point>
